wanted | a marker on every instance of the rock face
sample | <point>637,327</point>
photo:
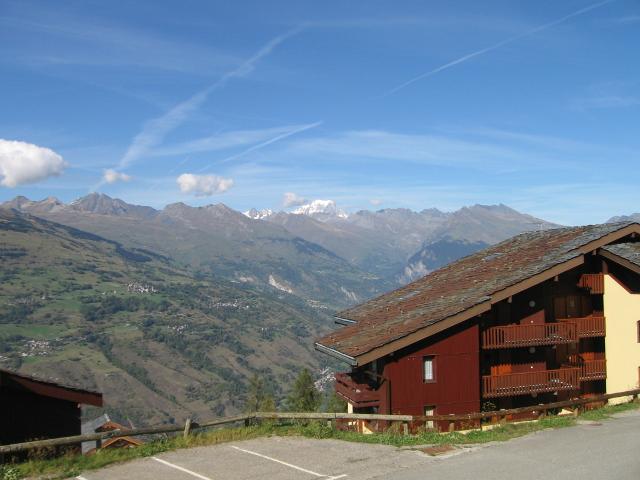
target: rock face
<point>102,204</point>
<point>258,214</point>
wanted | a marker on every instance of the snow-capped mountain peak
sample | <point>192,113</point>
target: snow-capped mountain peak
<point>258,214</point>
<point>320,208</point>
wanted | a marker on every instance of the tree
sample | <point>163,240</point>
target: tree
<point>336,404</point>
<point>304,396</point>
<point>259,399</point>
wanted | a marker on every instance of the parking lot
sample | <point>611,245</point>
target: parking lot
<point>605,449</point>
<point>278,458</point>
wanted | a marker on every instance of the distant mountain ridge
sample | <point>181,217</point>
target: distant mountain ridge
<point>220,242</point>
<point>634,217</point>
<point>317,251</point>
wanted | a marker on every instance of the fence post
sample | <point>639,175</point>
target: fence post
<point>405,428</point>
<point>187,428</point>
<point>452,426</point>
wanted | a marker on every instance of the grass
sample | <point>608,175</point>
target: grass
<point>608,410</point>
<point>73,465</point>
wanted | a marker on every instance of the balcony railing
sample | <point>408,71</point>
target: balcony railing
<point>510,336</point>
<point>530,382</point>
<point>589,369</point>
<point>593,282</point>
<point>359,391</point>
<point>591,326</point>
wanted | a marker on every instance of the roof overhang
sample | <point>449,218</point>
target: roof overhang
<point>336,354</point>
<point>49,389</point>
<point>619,260</point>
<point>611,237</point>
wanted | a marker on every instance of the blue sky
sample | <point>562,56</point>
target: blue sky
<point>372,104</point>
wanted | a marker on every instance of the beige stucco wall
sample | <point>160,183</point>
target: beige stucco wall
<point>622,311</point>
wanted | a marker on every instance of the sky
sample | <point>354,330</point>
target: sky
<point>372,104</point>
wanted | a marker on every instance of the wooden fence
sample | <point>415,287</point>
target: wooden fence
<point>405,420</point>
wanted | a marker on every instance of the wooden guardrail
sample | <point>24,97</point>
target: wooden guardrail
<point>190,426</point>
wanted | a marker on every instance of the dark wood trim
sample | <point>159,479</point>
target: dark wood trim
<point>623,262</point>
<point>49,389</point>
<point>611,237</point>
<point>423,333</point>
<point>537,279</point>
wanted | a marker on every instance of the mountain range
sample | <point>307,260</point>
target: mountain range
<point>317,251</point>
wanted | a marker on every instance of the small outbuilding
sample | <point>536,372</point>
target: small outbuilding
<point>104,424</point>
<point>32,408</point>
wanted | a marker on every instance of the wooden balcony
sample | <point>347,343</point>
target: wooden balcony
<point>359,391</point>
<point>532,335</point>
<point>594,282</point>
<point>591,326</point>
<point>589,369</point>
<point>512,384</point>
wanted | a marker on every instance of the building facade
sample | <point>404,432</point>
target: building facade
<point>541,317</point>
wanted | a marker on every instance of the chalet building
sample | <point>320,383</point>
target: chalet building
<point>104,424</point>
<point>32,408</point>
<point>543,316</point>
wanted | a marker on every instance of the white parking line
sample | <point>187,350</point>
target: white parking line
<point>182,469</point>
<point>310,472</point>
<point>80,478</point>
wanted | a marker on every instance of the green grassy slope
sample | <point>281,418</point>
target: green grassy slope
<point>157,341</point>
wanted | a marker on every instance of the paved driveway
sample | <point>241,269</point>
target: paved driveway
<point>610,450</point>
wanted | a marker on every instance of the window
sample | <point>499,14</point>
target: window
<point>428,411</point>
<point>428,370</point>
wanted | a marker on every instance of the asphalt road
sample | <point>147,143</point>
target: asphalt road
<point>607,450</point>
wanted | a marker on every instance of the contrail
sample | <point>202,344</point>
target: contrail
<point>497,45</point>
<point>156,129</point>
<point>259,146</point>
<point>248,150</point>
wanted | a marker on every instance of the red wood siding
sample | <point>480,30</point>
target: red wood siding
<point>456,388</point>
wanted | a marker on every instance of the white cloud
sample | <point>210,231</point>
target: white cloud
<point>293,200</point>
<point>375,202</point>
<point>203,185</point>
<point>112,176</point>
<point>22,163</point>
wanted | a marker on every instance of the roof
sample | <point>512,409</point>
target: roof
<point>48,388</point>
<point>92,426</point>
<point>628,254</point>
<point>464,288</point>
<point>104,424</point>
